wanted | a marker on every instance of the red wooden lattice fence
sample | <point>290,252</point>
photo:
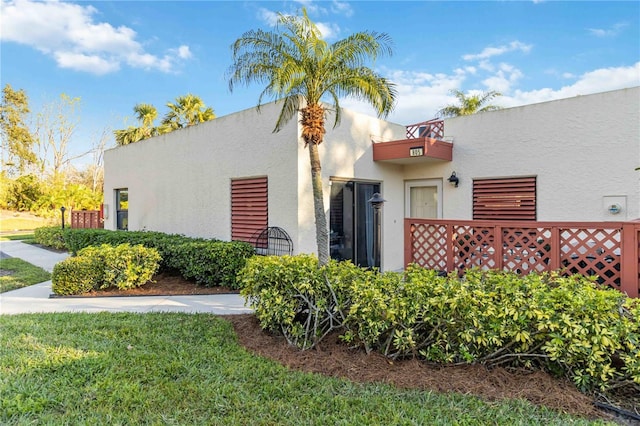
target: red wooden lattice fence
<point>427,129</point>
<point>86,219</point>
<point>610,250</point>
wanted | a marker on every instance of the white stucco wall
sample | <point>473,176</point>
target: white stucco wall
<point>180,182</point>
<point>581,149</point>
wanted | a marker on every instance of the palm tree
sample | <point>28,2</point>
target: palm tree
<point>300,69</point>
<point>469,104</point>
<point>187,111</point>
<point>146,114</point>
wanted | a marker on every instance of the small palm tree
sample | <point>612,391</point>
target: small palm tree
<point>468,105</point>
<point>300,69</point>
<point>146,115</point>
<point>187,111</point>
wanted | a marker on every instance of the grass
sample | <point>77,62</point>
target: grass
<point>20,223</point>
<point>26,237</point>
<point>23,274</point>
<point>177,369</point>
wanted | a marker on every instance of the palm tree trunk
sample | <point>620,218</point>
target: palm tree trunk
<point>322,234</point>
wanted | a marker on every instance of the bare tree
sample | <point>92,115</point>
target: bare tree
<point>55,126</point>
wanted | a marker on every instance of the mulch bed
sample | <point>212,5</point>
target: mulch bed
<point>333,358</point>
<point>164,284</point>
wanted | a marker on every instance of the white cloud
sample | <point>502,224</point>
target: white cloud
<point>341,8</point>
<point>268,17</point>
<point>68,33</point>
<point>328,30</point>
<point>504,78</point>
<point>600,80</point>
<point>89,63</point>
<point>489,52</point>
<point>182,52</point>
<point>610,32</point>
<point>310,6</point>
<point>421,95</point>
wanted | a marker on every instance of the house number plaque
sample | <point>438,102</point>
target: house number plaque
<point>417,151</point>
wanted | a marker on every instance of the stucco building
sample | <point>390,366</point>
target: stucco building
<point>566,160</point>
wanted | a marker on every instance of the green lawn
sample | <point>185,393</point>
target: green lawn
<point>25,237</point>
<point>183,369</point>
<point>22,274</point>
<point>9,224</point>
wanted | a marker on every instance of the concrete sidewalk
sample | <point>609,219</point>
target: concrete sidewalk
<point>35,298</point>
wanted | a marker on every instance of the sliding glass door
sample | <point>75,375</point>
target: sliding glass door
<point>352,220</point>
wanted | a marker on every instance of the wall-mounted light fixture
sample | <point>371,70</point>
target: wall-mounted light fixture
<point>615,208</point>
<point>453,179</point>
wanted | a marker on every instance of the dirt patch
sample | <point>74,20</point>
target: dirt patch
<point>5,272</point>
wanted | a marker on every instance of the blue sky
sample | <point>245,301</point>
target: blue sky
<point>114,54</point>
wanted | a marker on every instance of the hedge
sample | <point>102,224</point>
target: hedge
<point>208,262</point>
<point>564,325</point>
<point>50,236</point>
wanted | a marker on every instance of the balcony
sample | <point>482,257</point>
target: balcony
<point>424,143</point>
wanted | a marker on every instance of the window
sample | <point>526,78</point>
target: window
<point>504,199</point>
<point>249,207</point>
<point>122,209</point>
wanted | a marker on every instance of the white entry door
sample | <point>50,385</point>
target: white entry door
<point>423,199</point>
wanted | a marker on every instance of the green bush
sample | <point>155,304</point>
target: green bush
<point>76,275</point>
<point>50,236</point>
<point>124,266</point>
<point>77,239</point>
<point>209,263</point>
<point>292,295</point>
<point>565,325</point>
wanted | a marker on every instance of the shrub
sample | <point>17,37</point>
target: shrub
<point>565,325</point>
<point>76,275</point>
<point>50,236</point>
<point>292,295</point>
<point>559,324</point>
<point>124,266</point>
<point>210,263</point>
<point>77,239</point>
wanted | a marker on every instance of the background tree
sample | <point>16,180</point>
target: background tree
<point>146,115</point>
<point>45,177</point>
<point>187,111</point>
<point>18,142</point>
<point>468,105</point>
<point>92,175</point>
<point>300,69</point>
<point>56,125</point>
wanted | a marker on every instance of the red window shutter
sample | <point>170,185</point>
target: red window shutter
<point>249,207</point>
<point>504,199</point>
